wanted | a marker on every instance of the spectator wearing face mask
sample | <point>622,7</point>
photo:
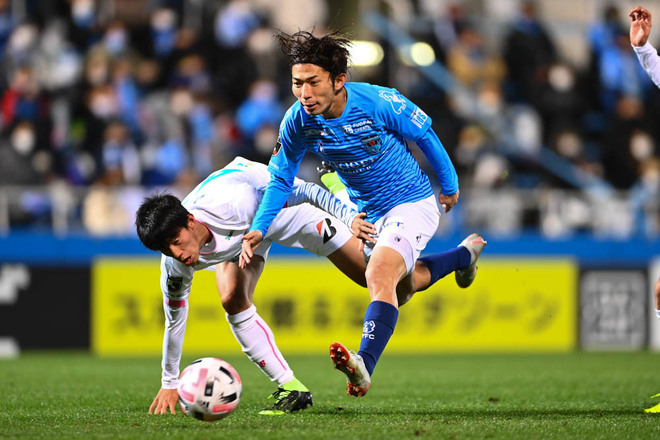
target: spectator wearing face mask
<point>22,160</point>
<point>24,101</point>
<point>83,26</point>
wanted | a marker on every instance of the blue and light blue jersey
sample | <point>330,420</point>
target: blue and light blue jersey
<point>367,147</point>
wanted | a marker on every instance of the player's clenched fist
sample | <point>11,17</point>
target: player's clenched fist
<point>640,26</point>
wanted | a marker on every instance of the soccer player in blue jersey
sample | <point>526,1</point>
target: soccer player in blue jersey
<point>360,130</point>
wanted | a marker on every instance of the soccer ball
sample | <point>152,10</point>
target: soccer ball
<point>209,389</point>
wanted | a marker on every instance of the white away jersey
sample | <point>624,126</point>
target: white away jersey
<point>226,203</point>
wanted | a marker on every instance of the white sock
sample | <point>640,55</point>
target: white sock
<point>258,343</point>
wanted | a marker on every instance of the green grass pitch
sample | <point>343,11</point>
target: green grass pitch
<point>63,395</point>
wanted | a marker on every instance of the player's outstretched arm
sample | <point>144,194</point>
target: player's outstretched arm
<point>656,294</point>
<point>250,242</point>
<point>165,399</point>
<point>640,26</point>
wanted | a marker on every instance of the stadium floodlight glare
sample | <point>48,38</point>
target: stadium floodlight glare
<point>419,53</point>
<point>366,53</point>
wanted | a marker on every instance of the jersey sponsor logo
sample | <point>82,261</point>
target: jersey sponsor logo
<point>174,283</point>
<point>326,230</point>
<point>395,99</point>
<point>354,167</point>
<point>368,330</point>
<point>311,132</point>
<point>371,144</point>
<point>418,117</point>
<point>278,147</point>
<point>357,127</point>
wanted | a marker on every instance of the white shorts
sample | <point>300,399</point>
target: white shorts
<point>305,227</point>
<point>407,228</point>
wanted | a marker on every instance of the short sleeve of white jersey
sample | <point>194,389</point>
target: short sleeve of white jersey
<point>398,113</point>
<point>229,198</point>
<point>227,205</point>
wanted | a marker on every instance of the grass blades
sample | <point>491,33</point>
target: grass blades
<point>65,395</point>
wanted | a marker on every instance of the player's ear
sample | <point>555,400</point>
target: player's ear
<point>340,80</point>
<point>191,221</point>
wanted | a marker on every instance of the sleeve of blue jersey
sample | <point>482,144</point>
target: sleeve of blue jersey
<point>437,155</point>
<point>283,167</point>
<point>400,114</point>
<point>288,152</point>
<point>275,197</point>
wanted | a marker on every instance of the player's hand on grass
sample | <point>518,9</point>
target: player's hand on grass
<point>640,26</point>
<point>362,229</point>
<point>164,399</point>
<point>250,242</point>
<point>448,201</point>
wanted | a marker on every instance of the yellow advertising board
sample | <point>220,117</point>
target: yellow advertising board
<point>513,305</point>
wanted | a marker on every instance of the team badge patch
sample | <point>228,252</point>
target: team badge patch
<point>326,230</point>
<point>371,144</point>
<point>368,330</point>
<point>396,100</point>
<point>278,147</point>
<point>174,283</point>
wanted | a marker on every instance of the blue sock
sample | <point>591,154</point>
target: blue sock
<point>444,263</point>
<point>379,322</point>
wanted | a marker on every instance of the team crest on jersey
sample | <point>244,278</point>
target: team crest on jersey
<point>326,230</point>
<point>418,117</point>
<point>395,99</point>
<point>278,147</point>
<point>174,283</point>
<point>371,144</point>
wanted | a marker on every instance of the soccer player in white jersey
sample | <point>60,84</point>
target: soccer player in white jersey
<point>640,30</point>
<point>360,130</point>
<point>206,229</point>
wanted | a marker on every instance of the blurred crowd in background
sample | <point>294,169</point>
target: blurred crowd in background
<point>145,94</point>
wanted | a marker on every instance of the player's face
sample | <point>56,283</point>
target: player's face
<point>317,93</point>
<point>184,247</point>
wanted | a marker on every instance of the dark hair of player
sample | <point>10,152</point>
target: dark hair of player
<point>329,51</point>
<point>159,220</point>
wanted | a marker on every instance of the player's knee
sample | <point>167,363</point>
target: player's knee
<point>235,300</point>
<point>380,281</point>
